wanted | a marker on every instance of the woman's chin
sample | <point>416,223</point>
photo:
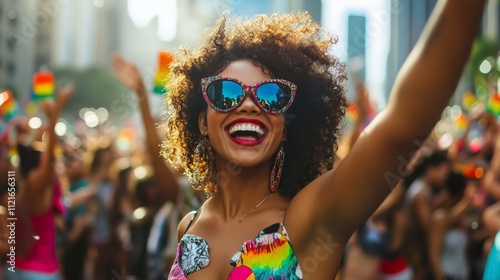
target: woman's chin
<point>244,160</point>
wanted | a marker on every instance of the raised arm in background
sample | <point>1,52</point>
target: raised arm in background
<point>41,179</point>
<point>165,176</point>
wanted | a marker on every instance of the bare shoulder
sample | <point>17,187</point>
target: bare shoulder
<point>184,224</point>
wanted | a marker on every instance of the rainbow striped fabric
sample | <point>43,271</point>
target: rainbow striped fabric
<point>269,256</point>
<point>43,85</point>
<point>8,105</point>
<point>161,76</point>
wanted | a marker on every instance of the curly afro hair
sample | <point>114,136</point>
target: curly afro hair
<point>292,47</point>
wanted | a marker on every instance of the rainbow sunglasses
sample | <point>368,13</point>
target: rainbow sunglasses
<point>224,94</point>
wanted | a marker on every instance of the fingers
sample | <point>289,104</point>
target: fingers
<point>52,108</point>
<point>64,95</point>
<point>127,72</point>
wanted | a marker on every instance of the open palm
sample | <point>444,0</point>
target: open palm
<point>127,72</point>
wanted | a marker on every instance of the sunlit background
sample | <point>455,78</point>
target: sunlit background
<point>76,39</point>
<point>73,41</point>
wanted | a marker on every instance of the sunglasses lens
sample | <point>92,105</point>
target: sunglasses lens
<point>274,96</point>
<point>224,94</point>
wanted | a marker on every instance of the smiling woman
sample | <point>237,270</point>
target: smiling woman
<point>260,89</point>
<point>305,130</point>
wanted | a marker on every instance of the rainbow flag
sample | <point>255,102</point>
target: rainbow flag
<point>8,105</point>
<point>161,76</point>
<point>43,85</point>
<point>494,104</point>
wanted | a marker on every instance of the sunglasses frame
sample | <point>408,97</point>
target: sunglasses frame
<point>205,82</point>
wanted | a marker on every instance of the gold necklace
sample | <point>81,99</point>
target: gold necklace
<point>255,208</point>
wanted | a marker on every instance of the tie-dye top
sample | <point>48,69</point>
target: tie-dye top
<point>268,256</point>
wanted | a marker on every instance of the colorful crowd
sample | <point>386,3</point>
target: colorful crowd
<point>82,205</point>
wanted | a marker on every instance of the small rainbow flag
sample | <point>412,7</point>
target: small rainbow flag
<point>43,85</point>
<point>494,104</point>
<point>8,105</point>
<point>161,76</point>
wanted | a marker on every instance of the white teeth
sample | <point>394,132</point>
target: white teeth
<point>246,127</point>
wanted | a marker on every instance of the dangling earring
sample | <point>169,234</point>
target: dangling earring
<point>201,154</point>
<point>205,158</point>
<point>274,179</point>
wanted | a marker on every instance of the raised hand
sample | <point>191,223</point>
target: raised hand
<point>127,73</point>
<point>52,108</point>
<point>64,95</point>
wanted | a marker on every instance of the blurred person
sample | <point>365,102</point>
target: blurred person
<point>476,145</point>
<point>228,130</point>
<point>8,189</point>
<point>492,270</point>
<point>42,199</point>
<point>165,206</point>
<point>121,216</point>
<point>102,245</point>
<point>448,232</point>
<point>78,221</point>
<point>491,218</point>
<point>357,264</point>
<point>424,184</point>
<point>147,199</point>
<point>492,176</point>
<point>473,152</point>
<point>491,215</point>
<point>385,235</point>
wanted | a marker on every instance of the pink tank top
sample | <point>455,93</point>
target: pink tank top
<point>42,257</point>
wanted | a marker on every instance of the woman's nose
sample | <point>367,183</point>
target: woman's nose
<point>248,105</point>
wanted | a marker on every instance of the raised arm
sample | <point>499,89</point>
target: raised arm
<point>41,177</point>
<point>340,201</point>
<point>130,76</point>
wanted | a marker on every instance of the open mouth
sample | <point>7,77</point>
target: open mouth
<point>247,133</point>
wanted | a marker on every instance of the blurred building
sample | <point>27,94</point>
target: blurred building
<point>408,20</point>
<point>81,34</point>
<point>86,33</point>
<point>356,45</point>
<point>140,39</point>
<point>25,41</point>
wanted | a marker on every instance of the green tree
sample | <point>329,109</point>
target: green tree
<point>95,87</point>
